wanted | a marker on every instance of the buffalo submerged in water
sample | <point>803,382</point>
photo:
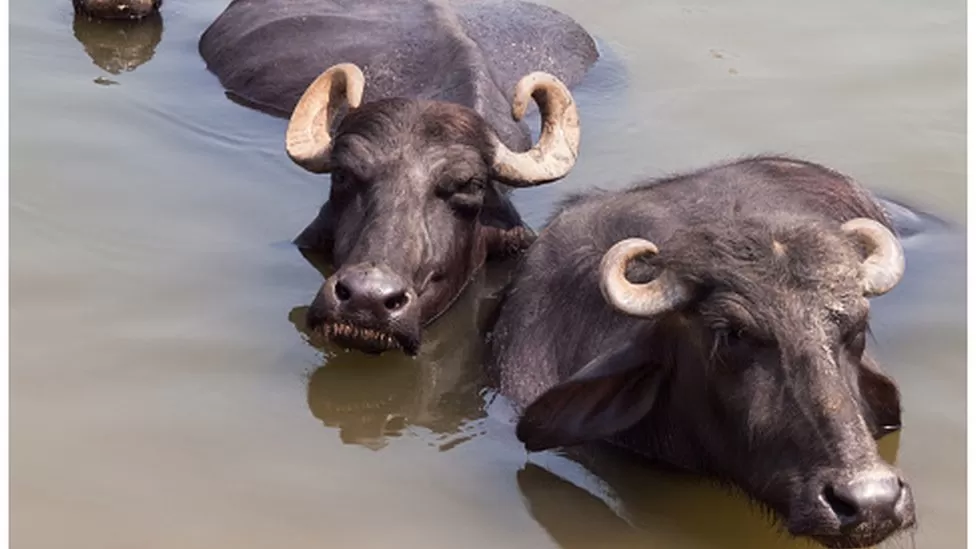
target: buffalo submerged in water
<point>117,9</point>
<point>716,321</point>
<point>414,108</point>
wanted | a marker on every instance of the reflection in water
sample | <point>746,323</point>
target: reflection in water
<point>119,45</point>
<point>371,399</point>
<point>631,504</point>
<point>573,518</point>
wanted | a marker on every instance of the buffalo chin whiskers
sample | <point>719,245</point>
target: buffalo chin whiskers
<point>343,331</point>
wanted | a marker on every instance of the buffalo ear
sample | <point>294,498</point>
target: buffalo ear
<point>505,233</point>
<point>881,398</point>
<point>610,394</point>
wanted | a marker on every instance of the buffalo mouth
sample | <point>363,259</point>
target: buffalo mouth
<point>856,541</point>
<point>369,340</point>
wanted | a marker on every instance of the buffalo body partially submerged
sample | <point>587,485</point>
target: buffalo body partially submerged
<point>415,108</point>
<point>717,321</point>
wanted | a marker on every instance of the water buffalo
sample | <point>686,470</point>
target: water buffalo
<point>117,9</point>
<point>425,138</point>
<point>716,322</point>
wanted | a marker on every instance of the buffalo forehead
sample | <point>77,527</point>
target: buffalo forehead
<point>789,284</point>
<point>445,123</point>
<point>355,153</point>
<point>752,253</point>
<point>456,162</point>
<point>420,156</point>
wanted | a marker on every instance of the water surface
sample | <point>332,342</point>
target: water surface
<point>164,394</point>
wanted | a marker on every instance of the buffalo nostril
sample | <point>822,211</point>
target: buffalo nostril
<point>867,498</point>
<point>396,302</point>
<point>373,295</point>
<point>842,505</point>
<point>342,292</point>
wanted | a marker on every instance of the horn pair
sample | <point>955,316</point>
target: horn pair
<point>309,144</point>
<point>881,270</point>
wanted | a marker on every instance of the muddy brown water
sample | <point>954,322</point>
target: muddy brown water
<point>163,393</point>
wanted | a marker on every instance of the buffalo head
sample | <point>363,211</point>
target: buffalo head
<point>743,357</point>
<point>416,204</point>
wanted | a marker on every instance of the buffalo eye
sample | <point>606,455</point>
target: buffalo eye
<point>856,342</point>
<point>726,334</point>
<point>465,195</point>
<point>471,186</point>
<point>342,181</point>
<point>853,330</point>
<point>731,347</point>
<point>737,338</point>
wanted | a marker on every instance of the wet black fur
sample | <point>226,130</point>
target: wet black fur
<point>411,185</point>
<point>117,9</point>
<point>761,381</point>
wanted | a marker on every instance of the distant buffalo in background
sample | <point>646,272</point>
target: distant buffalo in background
<point>117,9</point>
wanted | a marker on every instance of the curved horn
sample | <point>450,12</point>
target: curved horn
<point>555,153</point>
<point>307,139</point>
<point>885,263</point>
<point>662,294</point>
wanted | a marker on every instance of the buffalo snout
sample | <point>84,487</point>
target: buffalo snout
<point>372,293</point>
<point>367,306</point>
<point>862,507</point>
